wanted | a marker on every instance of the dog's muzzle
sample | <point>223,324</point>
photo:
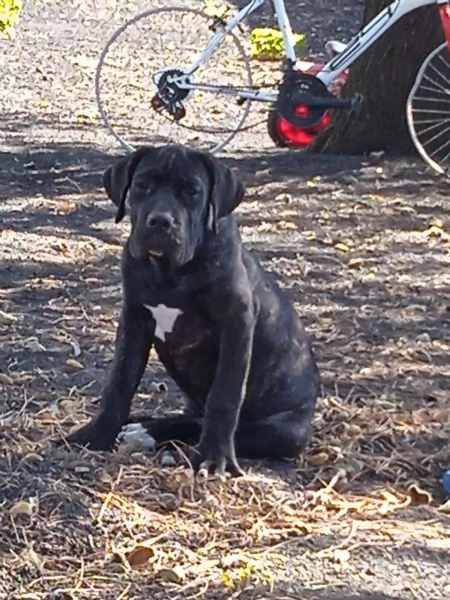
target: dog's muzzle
<point>158,235</point>
<point>160,221</point>
<point>161,231</point>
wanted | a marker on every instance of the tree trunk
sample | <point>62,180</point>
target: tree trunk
<point>384,74</point>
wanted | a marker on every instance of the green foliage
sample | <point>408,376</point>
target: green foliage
<point>9,13</point>
<point>267,43</point>
<point>250,573</point>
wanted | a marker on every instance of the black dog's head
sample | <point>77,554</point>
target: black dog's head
<point>174,194</point>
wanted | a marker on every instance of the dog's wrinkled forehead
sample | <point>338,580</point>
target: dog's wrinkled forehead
<point>180,167</point>
<point>172,166</point>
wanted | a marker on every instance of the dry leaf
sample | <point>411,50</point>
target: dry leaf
<point>174,575</point>
<point>167,501</point>
<point>285,198</point>
<point>262,174</point>
<point>419,496</point>
<point>264,226</point>
<point>437,223</point>
<point>140,556</point>
<point>33,345</point>
<point>105,477</point>
<point>66,207</point>
<point>445,508</point>
<point>353,430</point>
<point>6,319</point>
<point>355,263</point>
<point>29,555</point>
<point>74,364</point>
<point>320,458</point>
<point>5,379</point>
<point>33,457</point>
<point>341,247</point>
<point>437,229</point>
<point>341,556</point>
<point>76,348</point>
<point>82,469</point>
<point>287,225</point>
<point>233,561</point>
<point>390,497</point>
<point>23,507</point>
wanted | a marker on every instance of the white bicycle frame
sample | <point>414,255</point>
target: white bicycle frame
<point>368,35</point>
<point>353,50</point>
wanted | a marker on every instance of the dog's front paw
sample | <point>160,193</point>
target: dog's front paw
<point>92,436</point>
<point>136,435</point>
<point>216,458</point>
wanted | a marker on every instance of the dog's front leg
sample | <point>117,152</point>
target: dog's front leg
<point>133,342</point>
<point>216,447</point>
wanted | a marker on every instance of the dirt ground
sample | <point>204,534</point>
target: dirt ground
<point>363,249</point>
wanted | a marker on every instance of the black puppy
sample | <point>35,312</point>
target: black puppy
<point>221,326</point>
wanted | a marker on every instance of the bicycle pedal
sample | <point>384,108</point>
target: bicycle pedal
<point>356,103</point>
<point>156,103</point>
<point>178,111</point>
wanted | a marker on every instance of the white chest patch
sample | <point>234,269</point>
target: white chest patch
<point>165,318</point>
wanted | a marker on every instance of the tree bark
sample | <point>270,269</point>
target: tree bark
<point>384,75</point>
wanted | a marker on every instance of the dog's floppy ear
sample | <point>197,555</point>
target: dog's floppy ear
<point>117,179</point>
<point>226,191</point>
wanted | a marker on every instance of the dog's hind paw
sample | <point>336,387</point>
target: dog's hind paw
<point>135,434</point>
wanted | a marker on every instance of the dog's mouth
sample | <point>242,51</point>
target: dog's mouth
<point>160,245</point>
<point>155,253</point>
<point>157,247</point>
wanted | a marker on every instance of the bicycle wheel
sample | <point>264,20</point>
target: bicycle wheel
<point>163,41</point>
<point>428,110</point>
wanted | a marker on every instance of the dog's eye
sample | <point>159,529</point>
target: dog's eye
<point>143,186</point>
<point>191,189</point>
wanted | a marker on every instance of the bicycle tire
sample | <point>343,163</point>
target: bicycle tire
<point>217,130</point>
<point>428,110</point>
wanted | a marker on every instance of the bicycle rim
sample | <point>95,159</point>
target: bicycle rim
<point>428,110</point>
<point>159,39</point>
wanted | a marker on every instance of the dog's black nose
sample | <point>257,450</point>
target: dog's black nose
<point>163,221</point>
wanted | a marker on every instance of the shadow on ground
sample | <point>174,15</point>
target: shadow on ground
<point>361,248</point>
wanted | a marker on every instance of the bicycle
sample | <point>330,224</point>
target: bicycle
<point>184,96</point>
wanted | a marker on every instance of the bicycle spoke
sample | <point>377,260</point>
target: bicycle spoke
<point>437,84</point>
<point>432,127</point>
<point>428,110</point>
<point>437,135</point>
<point>443,92</point>
<point>428,99</point>
<point>424,121</point>
<point>145,55</point>
<point>439,74</point>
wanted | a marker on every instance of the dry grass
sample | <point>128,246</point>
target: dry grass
<point>104,526</point>
<point>85,525</point>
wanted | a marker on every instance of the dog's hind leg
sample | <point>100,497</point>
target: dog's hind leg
<point>282,435</point>
<point>153,432</point>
